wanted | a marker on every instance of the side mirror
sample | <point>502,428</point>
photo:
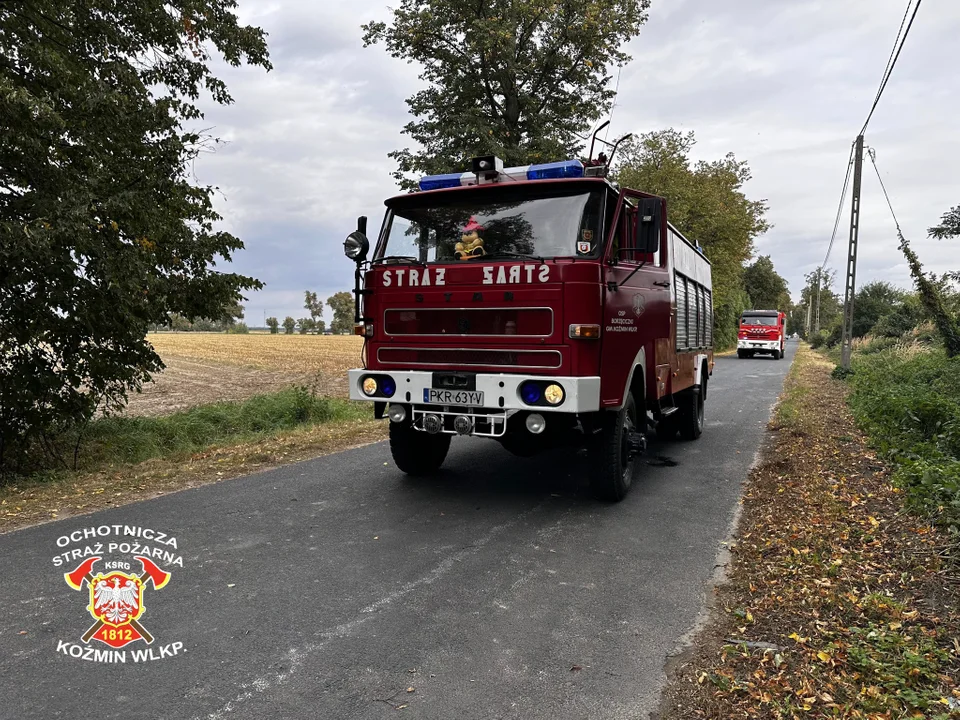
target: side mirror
<point>648,225</point>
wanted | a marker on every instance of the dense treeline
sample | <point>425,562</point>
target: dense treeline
<point>707,204</point>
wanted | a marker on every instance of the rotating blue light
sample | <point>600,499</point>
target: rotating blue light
<point>555,170</point>
<point>388,386</point>
<point>530,393</point>
<point>436,182</point>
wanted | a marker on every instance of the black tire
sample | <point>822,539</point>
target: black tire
<point>691,413</point>
<point>610,460</point>
<point>777,354</point>
<point>741,354</point>
<point>416,452</point>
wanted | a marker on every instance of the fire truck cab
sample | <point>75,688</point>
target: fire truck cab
<point>540,306</point>
<point>762,331</point>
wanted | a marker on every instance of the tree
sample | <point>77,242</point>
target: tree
<point>312,305</point>
<point>766,288</point>
<point>343,311</point>
<point>102,229</point>
<point>872,302</point>
<point>707,204</point>
<point>321,326</point>
<point>274,325</point>
<point>289,324</point>
<point>305,325</point>
<point>514,78</point>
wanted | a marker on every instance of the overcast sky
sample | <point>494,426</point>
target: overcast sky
<point>783,84</point>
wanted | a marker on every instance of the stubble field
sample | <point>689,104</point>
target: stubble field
<point>210,367</point>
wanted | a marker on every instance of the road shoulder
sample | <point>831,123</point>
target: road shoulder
<point>837,602</point>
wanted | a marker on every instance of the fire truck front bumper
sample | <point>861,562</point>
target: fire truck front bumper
<point>495,392</point>
<point>761,345</point>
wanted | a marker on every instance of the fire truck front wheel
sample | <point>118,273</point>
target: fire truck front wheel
<point>416,452</point>
<point>611,454</point>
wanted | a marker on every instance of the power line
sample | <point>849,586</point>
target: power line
<point>891,64</point>
<point>843,196</point>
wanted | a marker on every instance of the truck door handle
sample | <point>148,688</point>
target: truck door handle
<point>661,283</point>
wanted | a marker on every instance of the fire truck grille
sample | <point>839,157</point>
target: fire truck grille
<point>467,356</point>
<point>523,322</point>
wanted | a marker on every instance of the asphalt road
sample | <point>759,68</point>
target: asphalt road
<point>326,589</point>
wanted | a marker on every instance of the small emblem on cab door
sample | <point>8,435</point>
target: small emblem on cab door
<point>639,304</point>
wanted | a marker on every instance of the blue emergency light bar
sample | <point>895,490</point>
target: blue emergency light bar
<point>542,171</point>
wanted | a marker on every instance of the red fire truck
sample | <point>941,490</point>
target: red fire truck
<point>762,331</point>
<point>541,306</point>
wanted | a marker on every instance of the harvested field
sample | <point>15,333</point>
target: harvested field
<point>209,367</point>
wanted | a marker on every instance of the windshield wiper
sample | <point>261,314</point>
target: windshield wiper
<point>507,253</point>
<point>399,258</point>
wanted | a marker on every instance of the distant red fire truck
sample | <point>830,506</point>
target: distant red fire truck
<point>541,306</point>
<point>762,331</point>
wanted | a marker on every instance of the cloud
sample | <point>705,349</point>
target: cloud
<point>785,86</point>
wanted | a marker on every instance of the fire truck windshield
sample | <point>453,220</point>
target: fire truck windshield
<point>496,222</point>
<point>768,320</point>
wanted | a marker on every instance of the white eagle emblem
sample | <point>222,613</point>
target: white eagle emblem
<point>116,603</point>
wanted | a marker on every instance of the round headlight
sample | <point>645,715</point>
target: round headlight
<point>553,394</point>
<point>356,245</point>
<point>369,386</point>
<point>530,393</point>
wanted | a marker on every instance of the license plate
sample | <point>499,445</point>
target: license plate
<point>472,398</point>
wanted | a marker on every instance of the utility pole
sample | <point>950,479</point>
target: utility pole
<point>809,311</point>
<point>816,321</point>
<point>851,282</point>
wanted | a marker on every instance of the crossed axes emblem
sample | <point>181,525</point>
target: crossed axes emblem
<point>84,573</point>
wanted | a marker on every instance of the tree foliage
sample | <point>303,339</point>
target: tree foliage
<point>766,288</point>
<point>289,325</point>
<point>306,325</point>
<point>515,78</point>
<point>102,231</point>
<point>313,305</point>
<point>933,301</point>
<point>872,302</point>
<point>706,202</point>
<point>949,226</point>
<point>343,311</point>
<point>273,324</point>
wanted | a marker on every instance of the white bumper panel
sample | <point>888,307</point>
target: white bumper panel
<point>758,344</point>
<point>581,394</point>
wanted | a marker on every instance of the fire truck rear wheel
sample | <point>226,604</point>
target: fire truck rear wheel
<point>610,458</point>
<point>691,413</point>
<point>416,452</point>
<point>741,354</point>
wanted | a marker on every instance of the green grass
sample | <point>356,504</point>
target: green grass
<point>126,440</point>
<point>908,401</point>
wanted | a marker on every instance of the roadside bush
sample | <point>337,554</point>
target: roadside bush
<point>907,399</point>
<point>818,340</point>
<point>239,328</point>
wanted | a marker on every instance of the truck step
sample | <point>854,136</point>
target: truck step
<point>668,411</point>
